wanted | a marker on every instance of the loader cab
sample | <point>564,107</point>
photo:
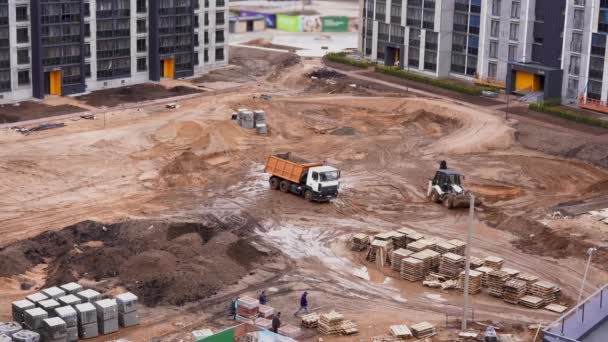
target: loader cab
<point>445,178</point>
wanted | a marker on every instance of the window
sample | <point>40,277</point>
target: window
<point>23,56</point>
<point>87,30</point>
<point>572,88</point>
<point>515,9</point>
<point>196,43</point>
<point>87,50</point>
<point>575,64</point>
<point>23,77</point>
<point>494,28</point>
<point>196,21</point>
<point>493,49</point>
<point>512,52</point>
<point>206,37</point>
<point>141,6</point>
<point>514,31</point>
<point>579,17</point>
<point>219,36</point>
<point>141,26</point>
<point>87,9</point>
<point>87,70</point>
<point>21,13</point>
<point>206,55</point>
<point>22,35</point>
<point>219,18</point>
<point>576,45</point>
<point>141,64</point>
<point>492,67</point>
<point>219,54</point>
<point>141,45</point>
<point>496,7</point>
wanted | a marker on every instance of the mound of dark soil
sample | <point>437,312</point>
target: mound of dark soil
<point>325,73</point>
<point>162,262</point>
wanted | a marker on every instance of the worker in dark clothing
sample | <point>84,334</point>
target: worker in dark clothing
<point>262,298</point>
<point>276,323</point>
<point>233,306</point>
<point>303,303</point>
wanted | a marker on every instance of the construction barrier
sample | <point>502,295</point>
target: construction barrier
<point>335,24</point>
<point>271,19</point>
<point>305,23</point>
<point>290,23</point>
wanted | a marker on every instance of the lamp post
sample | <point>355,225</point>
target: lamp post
<point>590,254</point>
<point>467,263</point>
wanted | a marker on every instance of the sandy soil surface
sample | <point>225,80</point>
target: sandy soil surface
<point>194,165</point>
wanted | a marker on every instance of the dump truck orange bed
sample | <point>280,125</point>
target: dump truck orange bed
<point>287,167</point>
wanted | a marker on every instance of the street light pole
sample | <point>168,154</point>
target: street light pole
<point>467,263</point>
<point>590,254</point>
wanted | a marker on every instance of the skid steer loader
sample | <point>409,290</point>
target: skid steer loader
<point>447,188</point>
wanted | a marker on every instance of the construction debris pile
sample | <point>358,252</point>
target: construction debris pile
<point>67,313</point>
<point>440,264</point>
<point>251,119</point>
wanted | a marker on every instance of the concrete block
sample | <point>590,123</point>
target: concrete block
<point>128,319</point>
<point>88,330</point>
<point>5,338</point>
<point>89,296</point>
<point>54,328</point>
<point>26,336</point>
<point>68,314</point>
<point>69,300</point>
<point>34,318</point>
<point>19,308</point>
<point>108,326</point>
<point>71,288</point>
<point>127,302</point>
<point>106,309</point>
<point>37,297</point>
<point>86,313</point>
<point>49,306</point>
<point>9,328</point>
<point>72,334</point>
<point>54,292</point>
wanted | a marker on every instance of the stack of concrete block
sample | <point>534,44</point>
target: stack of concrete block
<point>54,330</point>
<point>26,336</point>
<point>248,307</point>
<point>36,297</point>
<point>5,338</point>
<point>290,331</point>
<point>397,256</point>
<point>19,307</point>
<point>54,292</point>
<point>70,317</point>
<point>265,311</point>
<point>71,288</point>
<point>259,118</point>
<point>10,328</point>
<point>49,306</point>
<point>399,240</point>
<point>245,118</point>
<point>34,318</point>
<point>128,315</point>
<point>263,323</point>
<point>107,316</point>
<point>461,246</point>
<point>87,320</point>
<point>89,296</point>
<point>69,300</point>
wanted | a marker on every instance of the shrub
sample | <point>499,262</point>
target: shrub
<point>445,84</point>
<point>340,58</point>
<point>550,107</point>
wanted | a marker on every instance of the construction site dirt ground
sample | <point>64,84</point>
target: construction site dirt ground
<point>187,209</point>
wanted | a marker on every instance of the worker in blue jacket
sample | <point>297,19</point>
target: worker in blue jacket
<point>303,303</point>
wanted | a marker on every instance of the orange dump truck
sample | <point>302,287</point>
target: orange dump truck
<point>313,181</point>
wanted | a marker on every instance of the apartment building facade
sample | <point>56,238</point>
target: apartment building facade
<point>51,47</point>
<point>557,47</point>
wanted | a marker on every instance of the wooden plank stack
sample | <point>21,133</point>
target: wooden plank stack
<point>476,262</point>
<point>494,262</point>
<point>451,265</point>
<point>426,259</point>
<point>416,246</point>
<point>423,330</point>
<point>484,270</point>
<point>348,327</point>
<point>379,249</point>
<point>310,320</point>
<point>528,278</point>
<point>399,240</point>
<point>496,282</point>
<point>461,246</point>
<point>514,290</point>
<point>545,290</point>
<point>531,302</point>
<point>359,242</point>
<point>397,256</point>
<point>474,281</point>
<point>410,235</point>
<point>511,272</point>
<point>385,236</point>
<point>412,269</point>
<point>400,332</point>
<point>443,247</point>
<point>330,323</point>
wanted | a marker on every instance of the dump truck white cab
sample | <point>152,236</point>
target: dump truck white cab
<point>323,181</point>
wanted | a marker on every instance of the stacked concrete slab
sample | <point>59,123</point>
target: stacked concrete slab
<point>36,297</point>
<point>69,300</point>
<point>107,316</point>
<point>34,318</point>
<point>26,336</point>
<point>54,330</point>
<point>89,296</point>
<point>86,315</point>
<point>10,328</point>
<point>69,316</point>
<point>128,315</point>
<point>53,292</point>
<point>71,288</point>
<point>49,306</point>
<point>5,338</point>
<point>19,307</point>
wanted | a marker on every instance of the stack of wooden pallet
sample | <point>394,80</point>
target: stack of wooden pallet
<point>379,249</point>
<point>422,330</point>
<point>496,282</point>
<point>528,278</point>
<point>397,256</point>
<point>544,290</point>
<point>412,269</point>
<point>511,272</point>
<point>330,323</point>
<point>494,262</point>
<point>474,281</point>
<point>484,270</point>
<point>310,320</point>
<point>399,240</point>
<point>460,246</point>
<point>400,332</point>
<point>426,258</point>
<point>514,290</point>
<point>360,242</point>
<point>531,302</point>
<point>247,307</point>
<point>476,262</point>
<point>451,265</point>
<point>416,246</point>
<point>411,235</point>
<point>386,236</point>
<point>348,327</point>
<point>443,247</point>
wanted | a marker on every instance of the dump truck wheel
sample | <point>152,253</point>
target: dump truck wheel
<point>308,195</point>
<point>284,186</point>
<point>448,202</point>
<point>274,183</point>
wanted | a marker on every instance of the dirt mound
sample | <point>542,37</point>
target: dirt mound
<point>344,131</point>
<point>431,123</point>
<point>325,73</point>
<point>597,188</point>
<point>163,262</point>
<point>185,163</point>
